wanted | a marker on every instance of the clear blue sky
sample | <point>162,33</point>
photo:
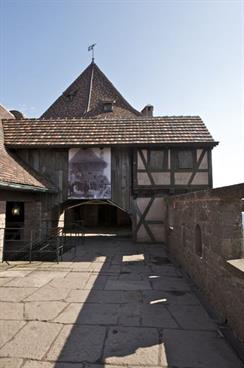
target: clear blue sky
<point>184,57</point>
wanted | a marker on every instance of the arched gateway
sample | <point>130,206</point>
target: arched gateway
<point>95,217</point>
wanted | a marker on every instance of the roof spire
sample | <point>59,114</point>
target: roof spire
<point>91,48</point>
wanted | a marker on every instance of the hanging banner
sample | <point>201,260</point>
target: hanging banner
<point>89,173</point>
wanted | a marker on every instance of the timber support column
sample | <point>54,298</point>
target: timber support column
<point>2,227</point>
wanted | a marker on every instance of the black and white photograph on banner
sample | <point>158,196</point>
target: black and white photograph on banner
<point>90,173</point>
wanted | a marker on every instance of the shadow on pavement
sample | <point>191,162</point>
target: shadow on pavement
<point>134,310</point>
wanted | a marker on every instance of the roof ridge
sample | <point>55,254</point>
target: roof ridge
<point>90,89</point>
<point>139,118</point>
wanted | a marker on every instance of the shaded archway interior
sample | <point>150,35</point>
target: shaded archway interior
<point>97,217</point>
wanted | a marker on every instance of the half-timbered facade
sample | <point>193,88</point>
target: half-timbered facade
<point>133,157</point>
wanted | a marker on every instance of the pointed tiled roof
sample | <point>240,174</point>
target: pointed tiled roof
<point>85,97</point>
<point>15,173</point>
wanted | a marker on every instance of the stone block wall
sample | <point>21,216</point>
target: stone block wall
<point>2,226</point>
<point>204,232</point>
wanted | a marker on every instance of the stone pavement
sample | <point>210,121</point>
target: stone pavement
<point>114,304</point>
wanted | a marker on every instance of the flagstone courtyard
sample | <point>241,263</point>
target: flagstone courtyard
<point>110,303</point>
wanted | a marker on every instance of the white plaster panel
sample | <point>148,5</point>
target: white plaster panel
<point>157,211</point>
<point>204,163</point>
<point>143,178</point>
<point>140,164</point>
<point>169,159</point>
<point>158,231</point>
<point>201,178</point>
<point>161,178</point>
<point>199,152</point>
<point>145,154</point>
<point>142,203</point>
<point>182,178</point>
<point>137,218</point>
<point>142,235</point>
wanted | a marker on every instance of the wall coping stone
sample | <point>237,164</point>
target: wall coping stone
<point>230,192</point>
<point>237,266</point>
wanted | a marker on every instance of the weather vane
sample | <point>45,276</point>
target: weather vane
<point>91,48</point>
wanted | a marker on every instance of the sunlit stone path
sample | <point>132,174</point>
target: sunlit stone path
<point>112,304</point>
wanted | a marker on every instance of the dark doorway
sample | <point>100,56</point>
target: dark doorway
<point>107,215</point>
<point>98,218</point>
<point>15,216</point>
<point>15,219</point>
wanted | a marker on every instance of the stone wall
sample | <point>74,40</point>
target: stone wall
<point>204,232</point>
<point>2,225</point>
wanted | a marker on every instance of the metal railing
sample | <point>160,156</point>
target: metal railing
<point>20,244</point>
<point>46,243</point>
<point>52,244</point>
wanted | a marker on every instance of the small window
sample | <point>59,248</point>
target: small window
<point>108,107</point>
<point>70,96</point>
<point>185,159</point>
<point>157,160</point>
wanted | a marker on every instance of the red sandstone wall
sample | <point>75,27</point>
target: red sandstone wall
<point>218,213</point>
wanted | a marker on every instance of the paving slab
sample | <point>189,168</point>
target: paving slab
<point>5,280</point>
<point>119,366</point>
<point>166,270</point>
<point>132,345</point>
<point>130,315</point>
<point>198,349</point>
<point>11,311</point>
<point>37,364</point>
<point>157,315</point>
<point>48,293</point>
<point>62,265</point>
<point>15,273</point>
<point>96,282</point>
<point>81,266</point>
<point>78,343</point>
<point>32,341</point>
<point>171,297</point>
<point>170,283</point>
<point>74,280</point>
<point>43,311</point>
<point>192,317</point>
<point>98,296</point>
<point>36,279</point>
<point>104,268</point>
<point>10,363</point>
<point>8,330</point>
<point>127,285</point>
<point>139,313</point>
<point>135,267</point>
<point>13,294</point>
<point>128,276</point>
<point>100,314</point>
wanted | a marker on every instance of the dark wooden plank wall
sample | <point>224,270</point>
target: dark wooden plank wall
<point>121,161</point>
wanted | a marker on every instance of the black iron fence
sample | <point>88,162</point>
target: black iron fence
<point>45,244</point>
